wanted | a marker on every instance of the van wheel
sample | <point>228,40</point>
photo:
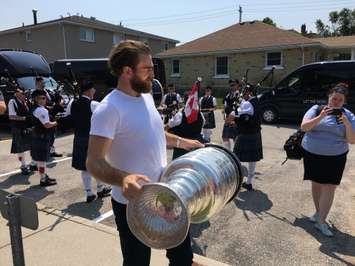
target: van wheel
<point>269,115</point>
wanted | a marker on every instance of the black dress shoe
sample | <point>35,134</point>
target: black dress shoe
<point>33,167</point>
<point>25,170</point>
<point>248,187</point>
<point>106,191</point>
<point>51,179</point>
<point>48,182</point>
<point>54,154</point>
<point>90,198</point>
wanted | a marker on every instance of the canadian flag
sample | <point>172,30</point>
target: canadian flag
<point>191,108</point>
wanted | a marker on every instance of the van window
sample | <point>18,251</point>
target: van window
<point>290,86</point>
<point>326,79</point>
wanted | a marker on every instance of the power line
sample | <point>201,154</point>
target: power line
<point>320,2</point>
<point>183,14</point>
<point>288,8</point>
<point>184,20</point>
<point>255,11</point>
<point>227,11</point>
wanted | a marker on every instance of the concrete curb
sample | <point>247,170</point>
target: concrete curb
<point>111,231</point>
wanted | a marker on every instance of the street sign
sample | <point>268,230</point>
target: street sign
<point>28,210</point>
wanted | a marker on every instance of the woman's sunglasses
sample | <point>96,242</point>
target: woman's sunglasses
<point>341,90</point>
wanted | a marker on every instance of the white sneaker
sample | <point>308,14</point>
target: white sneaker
<point>314,218</point>
<point>324,229</point>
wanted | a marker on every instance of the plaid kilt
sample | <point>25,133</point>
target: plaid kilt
<point>40,147</point>
<point>249,147</point>
<point>210,121</point>
<point>21,140</point>
<point>80,149</point>
<point>229,132</point>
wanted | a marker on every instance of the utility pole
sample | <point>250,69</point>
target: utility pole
<point>240,14</point>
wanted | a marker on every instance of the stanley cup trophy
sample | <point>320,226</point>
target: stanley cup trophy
<point>192,189</point>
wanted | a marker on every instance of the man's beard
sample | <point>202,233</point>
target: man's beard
<point>141,86</point>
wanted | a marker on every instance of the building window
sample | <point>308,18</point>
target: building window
<point>175,67</point>
<point>28,36</point>
<point>273,59</point>
<point>342,56</point>
<point>116,38</point>
<point>87,35</point>
<point>166,46</point>
<point>222,66</point>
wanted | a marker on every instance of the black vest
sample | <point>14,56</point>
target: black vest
<point>170,98</point>
<point>248,124</point>
<point>21,110</point>
<point>186,130</point>
<point>207,102</point>
<point>38,127</point>
<point>81,114</point>
<point>230,101</point>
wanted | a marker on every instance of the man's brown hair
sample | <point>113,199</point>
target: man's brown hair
<point>126,53</point>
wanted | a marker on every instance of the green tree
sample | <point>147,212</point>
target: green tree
<point>269,21</point>
<point>342,24</point>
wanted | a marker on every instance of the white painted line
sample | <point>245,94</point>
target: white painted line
<point>10,173</point>
<point>103,216</point>
<point>60,160</point>
<point>52,162</point>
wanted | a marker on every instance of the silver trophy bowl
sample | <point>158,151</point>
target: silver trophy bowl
<point>192,189</point>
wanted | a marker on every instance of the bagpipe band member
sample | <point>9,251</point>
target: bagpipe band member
<point>41,136</point>
<point>208,105</point>
<point>171,100</point>
<point>19,116</point>
<point>248,144</point>
<point>230,103</point>
<point>186,124</point>
<point>55,104</point>
<point>81,111</point>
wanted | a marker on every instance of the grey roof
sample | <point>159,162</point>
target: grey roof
<point>89,22</point>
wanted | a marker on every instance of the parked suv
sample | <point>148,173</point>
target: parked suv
<point>304,87</point>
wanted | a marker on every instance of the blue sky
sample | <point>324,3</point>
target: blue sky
<point>181,20</point>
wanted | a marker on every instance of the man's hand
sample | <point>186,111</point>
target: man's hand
<point>189,144</point>
<point>131,187</point>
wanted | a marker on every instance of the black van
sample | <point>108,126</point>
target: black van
<point>69,71</point>
<point>20,68</point>
<point>304,87</point>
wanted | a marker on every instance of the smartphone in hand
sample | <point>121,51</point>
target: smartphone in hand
<point>336,112</point>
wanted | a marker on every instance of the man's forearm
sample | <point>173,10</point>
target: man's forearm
<point>103,171</point>
<point>171,139</point>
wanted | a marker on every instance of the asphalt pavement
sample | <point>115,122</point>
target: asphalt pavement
<point>268,226</point>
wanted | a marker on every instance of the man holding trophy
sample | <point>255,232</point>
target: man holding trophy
<point>128,150</point>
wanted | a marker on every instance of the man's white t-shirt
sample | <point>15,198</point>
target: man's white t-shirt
<point>137,131</point>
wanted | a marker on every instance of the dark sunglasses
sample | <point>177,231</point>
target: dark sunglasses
<point>341,90</point>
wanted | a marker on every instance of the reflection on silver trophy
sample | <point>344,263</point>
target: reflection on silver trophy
<point>192,189</point>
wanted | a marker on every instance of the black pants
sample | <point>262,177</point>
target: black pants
<point>136,253</point>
